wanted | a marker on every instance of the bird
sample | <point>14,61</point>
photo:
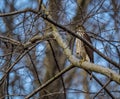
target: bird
<point>84,52</point>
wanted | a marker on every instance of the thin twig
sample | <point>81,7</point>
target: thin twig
<point>36,73</point>
<point>58,67</point>
<point>102,89</point>
<point>44,16</point>
<point>99,82</point>
<point>40,4</point>
<point>49,81</point>
<point>84,41</point>
<point>17,60</point>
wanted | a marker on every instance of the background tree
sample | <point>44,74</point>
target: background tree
<point>32,56</point>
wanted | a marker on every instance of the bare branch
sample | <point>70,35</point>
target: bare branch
<point>102,89</point>
<point>79,37</point>
<point>27,44</point>
<point>58,67</point>
<point>44,16</point>
<point>17,12</point>
<point>49,81</point>
<point>10,67</point>
<point>85,65</point>
<point>40,4</point>
<point>9,40</point>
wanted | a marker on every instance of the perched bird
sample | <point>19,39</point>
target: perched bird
<point>82,50</point>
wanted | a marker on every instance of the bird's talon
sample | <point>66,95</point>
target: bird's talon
<point>82,60</point>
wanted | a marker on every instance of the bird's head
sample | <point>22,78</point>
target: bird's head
<point>80,28</point>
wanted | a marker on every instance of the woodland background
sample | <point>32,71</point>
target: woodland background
<point>31,55</point>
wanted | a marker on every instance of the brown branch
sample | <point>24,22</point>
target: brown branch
<point>68,53</point>
<point>44,16</point>
<point>17,12</point>
<point>32,42</point>
<point>79,37</point>
<point>35,69</point>
<point>104,70</point>
<point>49,81</point>
<point>40,4</point>
<point>102,85</point>
<point>58,67</point>
<point>27,44</point>
<point>85,65</point>
<point>9,40</point>
<point>17,60</point>
<point>36,73</point>
<point>102,89</point>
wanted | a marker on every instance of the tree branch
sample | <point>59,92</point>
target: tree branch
<point>27,44</point>
<point>44,16</point>
<point>50,81</point>
<point>85,65</point>
<point>84,41</point>
<point>40,4</point>
<point>17,60</point>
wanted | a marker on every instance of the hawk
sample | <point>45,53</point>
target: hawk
<point>82,50</point>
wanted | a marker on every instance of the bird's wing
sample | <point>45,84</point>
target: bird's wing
<point>89,51</point>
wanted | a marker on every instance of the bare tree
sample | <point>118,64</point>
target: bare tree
<point>37,49</point>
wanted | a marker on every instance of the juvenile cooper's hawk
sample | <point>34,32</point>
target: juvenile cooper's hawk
<point>82,50</point>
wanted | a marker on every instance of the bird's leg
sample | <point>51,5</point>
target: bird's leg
<point>83,59</point>
<point>91,75</point>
